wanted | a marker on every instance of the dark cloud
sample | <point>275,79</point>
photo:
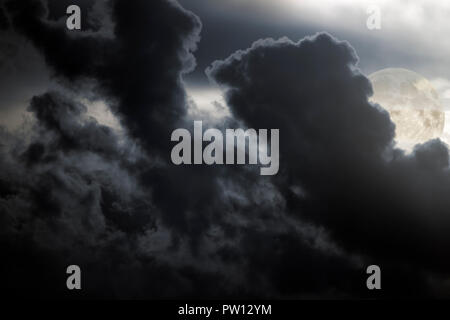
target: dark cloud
<point>337,148</point>
<point>74,191</point>
<point>60,116</point>
<point>141,67</point>
<point>222,19</point>
<point>79,186</point>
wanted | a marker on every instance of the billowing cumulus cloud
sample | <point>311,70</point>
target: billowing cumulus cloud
<point>74,190</point>
<point>337,149</point>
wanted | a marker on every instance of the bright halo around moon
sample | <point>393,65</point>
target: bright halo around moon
<point>412,103</point>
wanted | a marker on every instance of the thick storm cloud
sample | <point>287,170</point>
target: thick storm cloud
<point>139,71</point>
<point>78,175</point>
<point>76,191</point>
<point>337,149</point>
<point>140,67</point>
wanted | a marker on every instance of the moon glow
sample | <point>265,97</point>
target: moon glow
<point>412,103</point>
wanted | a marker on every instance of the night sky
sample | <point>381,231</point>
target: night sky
<point>86,176</point>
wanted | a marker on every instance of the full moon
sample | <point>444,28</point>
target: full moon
<point>412,103</point>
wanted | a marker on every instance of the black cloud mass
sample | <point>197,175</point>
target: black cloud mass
<point>74,190</point>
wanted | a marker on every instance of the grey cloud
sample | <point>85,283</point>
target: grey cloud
<point>373,199</point>
<point>72,190</point>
